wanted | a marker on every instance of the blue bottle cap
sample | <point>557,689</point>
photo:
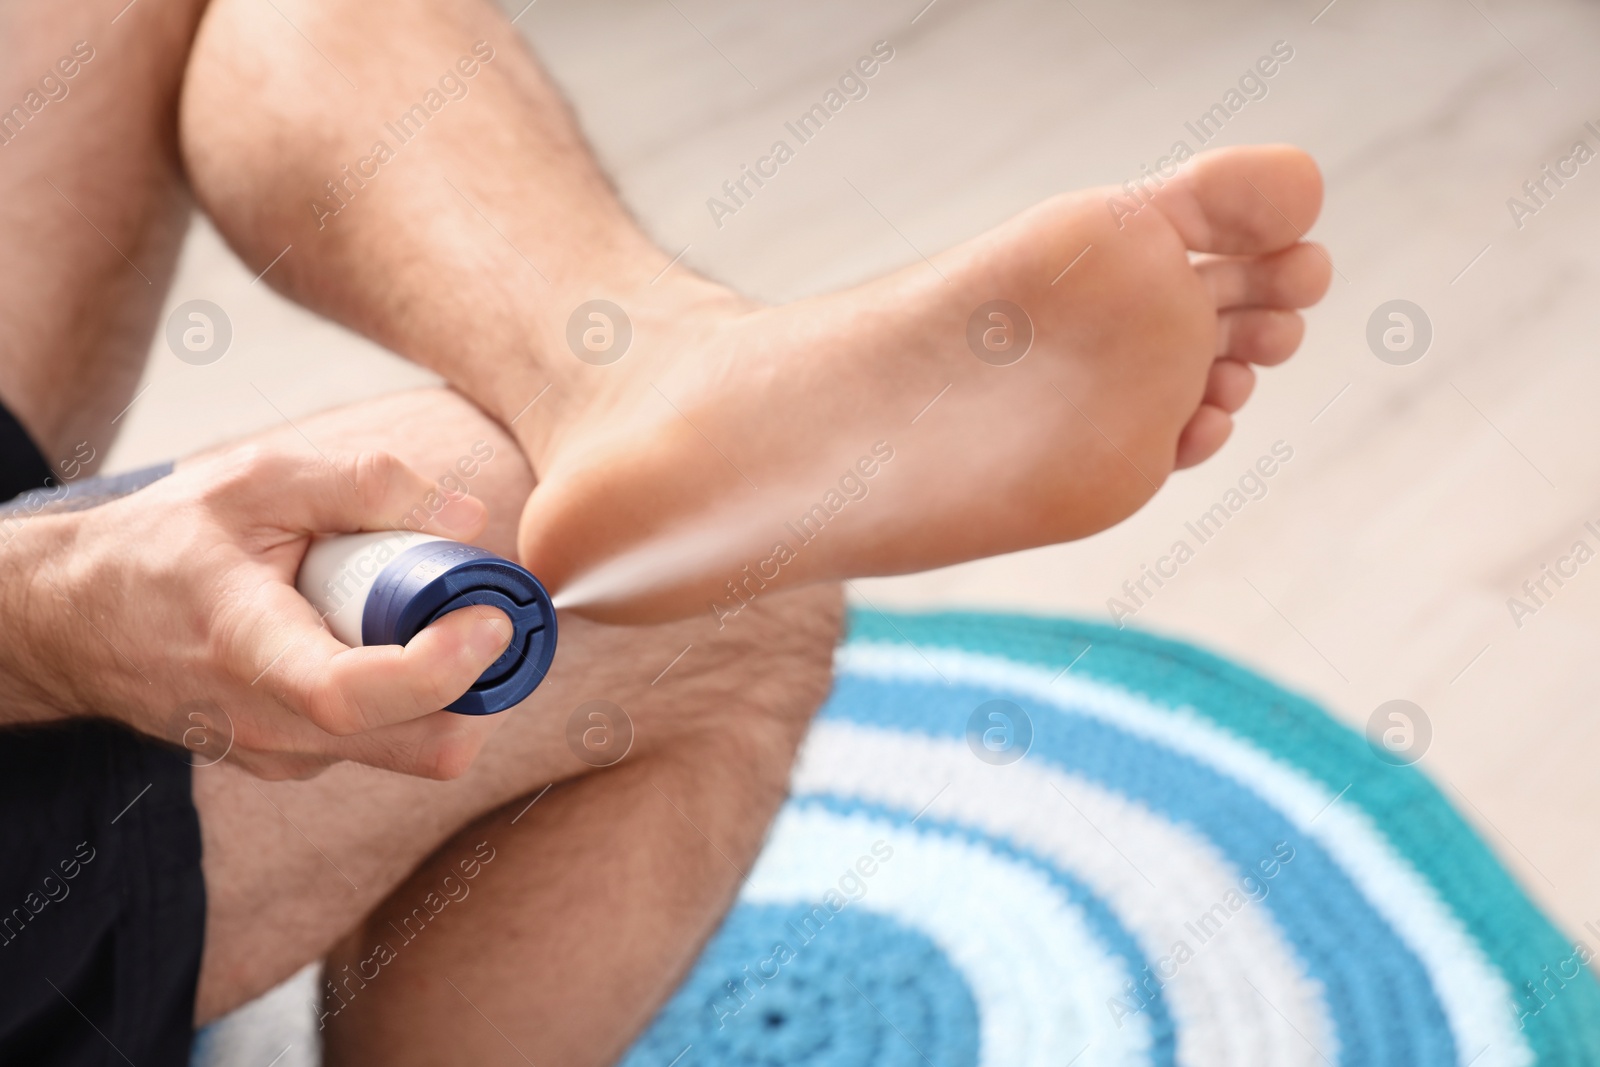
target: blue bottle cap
<point>432,579</point>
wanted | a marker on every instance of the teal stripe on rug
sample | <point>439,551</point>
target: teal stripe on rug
<point>1513,933</point>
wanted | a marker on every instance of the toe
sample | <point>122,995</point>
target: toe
<point>1267,336</point>
<point>1293,278</point>
<point>1229,384</point>
<point>1245,200</point>
<point>1207,431</point>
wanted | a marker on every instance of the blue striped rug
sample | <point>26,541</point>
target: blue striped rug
<point>1153,857</point>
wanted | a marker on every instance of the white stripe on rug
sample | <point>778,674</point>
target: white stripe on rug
<point>1157,878</point>
<point>1476,998</point>
<point>1005,928</point>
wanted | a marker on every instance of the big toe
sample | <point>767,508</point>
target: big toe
<point>1245,200</point>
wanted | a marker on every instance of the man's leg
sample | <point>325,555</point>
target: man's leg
<point>596,898</point>
<point>430,183</point>
<point>438,196</point>
<point>93,205</point>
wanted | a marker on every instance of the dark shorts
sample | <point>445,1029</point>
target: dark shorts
<point>21,466</point>
<point>102,902</point>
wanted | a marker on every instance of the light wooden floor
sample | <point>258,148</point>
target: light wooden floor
<point>1419,498</point>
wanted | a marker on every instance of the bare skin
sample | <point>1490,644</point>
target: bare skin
<point>597,898</point>
<point>643,853</point>
<point>267,112</point>
<point>1140,356</point>
<point>1137,362</point>
<point>94,207</point>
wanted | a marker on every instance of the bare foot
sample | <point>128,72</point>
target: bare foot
<point>1034,385</point>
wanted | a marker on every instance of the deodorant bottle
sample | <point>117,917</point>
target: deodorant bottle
<point>382,588</point>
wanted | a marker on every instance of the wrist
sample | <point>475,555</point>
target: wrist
<point>35,685</point>
<point>578,352</point>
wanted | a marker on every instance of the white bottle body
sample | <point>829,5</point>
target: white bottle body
<point>338,573</point>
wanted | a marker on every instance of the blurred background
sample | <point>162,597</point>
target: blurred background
<point>1419,497</point>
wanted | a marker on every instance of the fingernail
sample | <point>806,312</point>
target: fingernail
<point>489,638</point>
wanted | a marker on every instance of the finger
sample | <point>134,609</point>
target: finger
<point>1229,385</point>
<point>348,491</point>
<point>1207,431</point>
<point>1265,336</point>
<point>281,766</point>
<point>283,648</point>
<point>1294,278</point>
<point>386,684</point>
<point>274,642</point>
<point>440,746</point>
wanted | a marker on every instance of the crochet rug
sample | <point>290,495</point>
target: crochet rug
<point>1019,841</point>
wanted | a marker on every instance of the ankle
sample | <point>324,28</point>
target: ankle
<point>587,347</point>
